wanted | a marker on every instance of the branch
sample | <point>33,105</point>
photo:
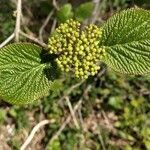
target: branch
<point>44,25</point>
<point>17,27</point>
<point>18,20</point>
<point>33,39</point>
<point>76,107</point>
<point>72,113</point>
<point>56,135</point>
<point>55,5</point>
<point>34,130</point>
<point>95,11</point>
<point>53,25</point>
<point>101,140</point>
<point>71,89</point>
<point>7,40</point>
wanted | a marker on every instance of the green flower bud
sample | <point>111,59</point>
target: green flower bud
<point>78,50</point>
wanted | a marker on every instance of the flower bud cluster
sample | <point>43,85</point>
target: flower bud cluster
<point>78,50</point>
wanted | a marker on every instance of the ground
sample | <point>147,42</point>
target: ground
<point>113,110</point>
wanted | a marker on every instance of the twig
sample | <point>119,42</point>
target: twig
<point>71,89</point>
<point>18,20</point>
<point>81,118</point>
<point>7,40</point>
<point>56,135</point>
<point>101,140</point>
<point>53,25</point>
<point>55,5</point>
<point>72,113</point>
<point>44,25</point>
<point>105,117</point>
<point>76,107</point>
<point>33,39</point>
<point>100,74</point>
<point>95,11</point>
<point>34,130</point>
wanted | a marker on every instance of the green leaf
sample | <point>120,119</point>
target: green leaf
<point>147,76</point>
<point>2,115</point>
<point>115,102</point>
<point>65,13</point>
<point>23,76</point>
<point>147,144</point>
<point>84,11</point>
<point>55,145</point>
<point>126,36</point>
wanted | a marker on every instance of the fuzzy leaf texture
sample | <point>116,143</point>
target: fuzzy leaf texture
<point>126,36</point>
<point>65,13</point>
<point>83,11</point>
<point>22,75</point>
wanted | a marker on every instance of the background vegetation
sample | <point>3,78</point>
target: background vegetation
<point>115,108</point>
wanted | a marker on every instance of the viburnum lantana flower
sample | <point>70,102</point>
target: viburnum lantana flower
<point>78,50</point>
